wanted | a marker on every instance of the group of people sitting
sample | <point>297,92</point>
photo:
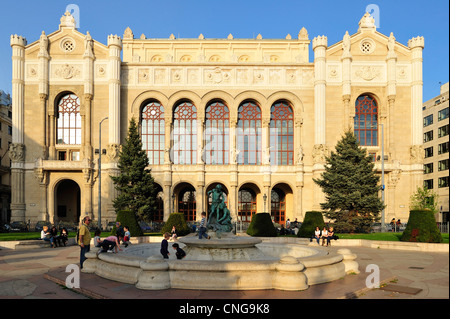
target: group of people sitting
<point>325,234</point>
<point>51,235</point>
<point>111,243</point>
<point>290,229</point>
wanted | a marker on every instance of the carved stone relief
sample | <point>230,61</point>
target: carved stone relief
<point>67,71</point>
<point>17,152</point>
<point>368,73</point>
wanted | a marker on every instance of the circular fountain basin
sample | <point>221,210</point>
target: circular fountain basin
<point>228,263</point>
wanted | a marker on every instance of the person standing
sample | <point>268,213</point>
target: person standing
<point>202,227</point>
<point>165,246</point>
<point>84,239</point>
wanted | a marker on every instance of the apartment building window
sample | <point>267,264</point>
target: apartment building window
<point>443,165</point>
<point>9,130</point>
<point>428,120</point>
<point>428,184</point>
<point>428,152</point>
<point>443,114</point>
<point>428,168</point>
<point>428,136</point>
<point>443,182</point>
<point>443,131</point>
<point>443,148</point>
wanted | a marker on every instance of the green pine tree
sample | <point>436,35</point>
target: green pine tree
<point>136,186</point>
<point>351,187</point>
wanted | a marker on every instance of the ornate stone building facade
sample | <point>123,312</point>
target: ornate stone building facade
<point>255,115</point>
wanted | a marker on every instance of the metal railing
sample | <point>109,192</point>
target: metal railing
<point>443,227</point>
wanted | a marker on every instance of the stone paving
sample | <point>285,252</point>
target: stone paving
<point>40,273</point>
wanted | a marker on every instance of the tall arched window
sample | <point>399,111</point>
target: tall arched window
<point>366,121</point>
<point>281,134</point>
<point>249,134</point>
<point>217,142</point>
<point>185,134</point>
<point>153,132</point>
<point>69,120</point>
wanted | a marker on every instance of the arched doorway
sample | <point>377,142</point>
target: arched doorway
<point>185,198</point>
<point>247,202</point>
<point>158,216</point>
<point>68,201</point>
<point>281,203</point>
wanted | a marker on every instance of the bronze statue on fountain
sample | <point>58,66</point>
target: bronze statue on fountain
<point>219,215</point>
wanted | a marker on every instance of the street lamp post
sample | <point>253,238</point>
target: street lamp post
<point>100,151</point>
<point>173,202</point>
<point>383,224</point>
<point>265,198</point>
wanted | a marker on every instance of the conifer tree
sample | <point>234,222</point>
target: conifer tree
<point>351,187</point>
<point>136,186</point>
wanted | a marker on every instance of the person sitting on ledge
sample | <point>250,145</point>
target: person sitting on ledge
<point>46,236</point>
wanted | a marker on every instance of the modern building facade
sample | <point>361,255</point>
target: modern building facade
<point>5,162</point>
<point>255,115</point>
<point>435,143</point>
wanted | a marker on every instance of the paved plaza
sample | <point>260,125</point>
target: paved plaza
<point>40,273</point>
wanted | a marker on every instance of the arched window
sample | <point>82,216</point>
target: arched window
<point>278,206</point>
<point>366,121</point>
<point>281,134</point>
<point>249,134</point>
<point>217,142</point>
<point>246,205</point>
<point>185,134</point>
<point>153,132</point>
<point>69,120</point>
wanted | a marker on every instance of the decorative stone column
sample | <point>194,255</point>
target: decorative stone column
<point>115,48</point>
<point>391,61</point>
<point>88,73</point>
<point>44,59</point>
<point>17,148</point>
<point>416,45</point>
<point>42,177</point>
<point>233,170</point>
<point>319,47</point>
<point>346,81</point>
<point>113,148</point>
<point>320,149</point>
<point>167,185</point>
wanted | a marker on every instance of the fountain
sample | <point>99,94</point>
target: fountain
<point>225,262</point>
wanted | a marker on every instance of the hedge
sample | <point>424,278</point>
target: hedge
<point>424,222</point>
<point>177,220</point>
<point>312,220</point>
<point>262,226</point>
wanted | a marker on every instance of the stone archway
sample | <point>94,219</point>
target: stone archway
<point>67,201</point>
<point>185,201</point>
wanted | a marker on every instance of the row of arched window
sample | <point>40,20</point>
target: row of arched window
<point>216,133</point>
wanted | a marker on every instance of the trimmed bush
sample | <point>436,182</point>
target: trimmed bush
<point>424,222</point>
<point>262,226</point>
<point>177,220</point>
<point>128,218</point>
<point>312,220</point>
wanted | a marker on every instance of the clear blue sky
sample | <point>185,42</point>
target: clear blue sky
<point>242,18</point>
